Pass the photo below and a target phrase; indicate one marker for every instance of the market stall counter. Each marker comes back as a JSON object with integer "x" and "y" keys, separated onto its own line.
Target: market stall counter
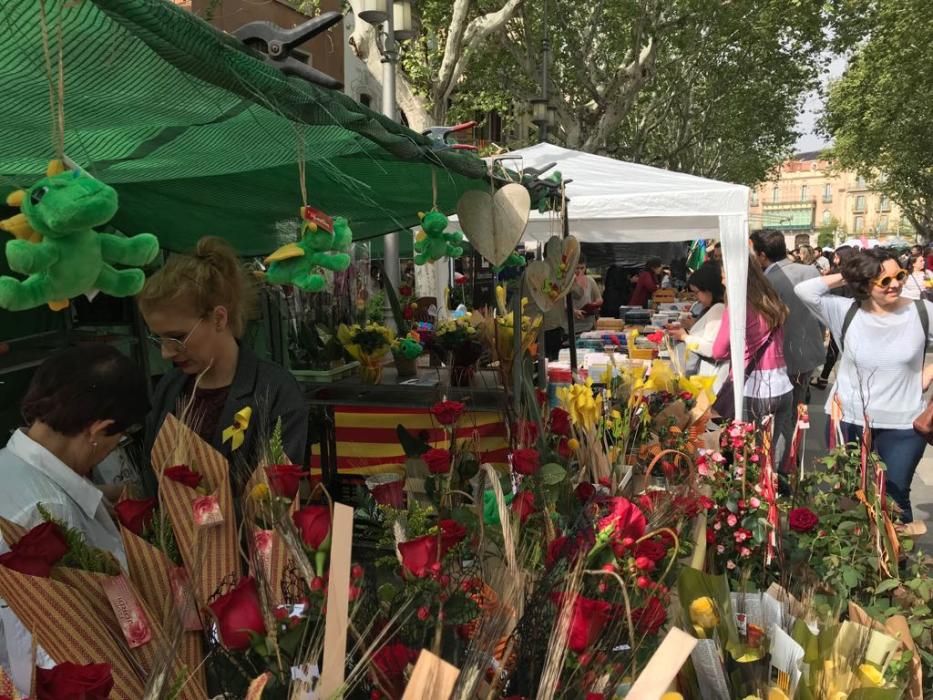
{"x": 358, "y": 434}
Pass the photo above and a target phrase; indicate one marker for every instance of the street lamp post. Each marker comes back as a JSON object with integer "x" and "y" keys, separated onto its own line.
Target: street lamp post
{"x": 394, "y": 16}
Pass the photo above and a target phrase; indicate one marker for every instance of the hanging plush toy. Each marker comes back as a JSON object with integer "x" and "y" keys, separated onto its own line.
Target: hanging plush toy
{"x": 57, "y": 247}
{"x": 432, "y": 243}
{"x": 511, "y": 268}
{"x": 324, "y": 245}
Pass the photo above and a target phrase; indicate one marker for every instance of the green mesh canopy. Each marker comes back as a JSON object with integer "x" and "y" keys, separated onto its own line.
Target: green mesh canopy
{"x": 199, "y": 136}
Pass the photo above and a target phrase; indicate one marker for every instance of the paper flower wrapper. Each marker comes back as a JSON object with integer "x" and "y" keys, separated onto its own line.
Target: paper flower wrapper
{"x": 209, "y": 549}
{"x": 164, "y": 588}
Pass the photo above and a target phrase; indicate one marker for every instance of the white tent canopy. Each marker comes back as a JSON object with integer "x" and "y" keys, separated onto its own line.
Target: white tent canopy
{"x": 611, "y": 201}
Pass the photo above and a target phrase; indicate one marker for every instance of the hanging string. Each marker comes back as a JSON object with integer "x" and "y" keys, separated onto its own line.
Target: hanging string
{"x": 433, "y": 189}
{"x": 302, "y": 175}
{"x": 56, "y": 86}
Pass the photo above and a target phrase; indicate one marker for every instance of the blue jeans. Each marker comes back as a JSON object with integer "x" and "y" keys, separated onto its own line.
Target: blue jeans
{"x": 901, "y": 451}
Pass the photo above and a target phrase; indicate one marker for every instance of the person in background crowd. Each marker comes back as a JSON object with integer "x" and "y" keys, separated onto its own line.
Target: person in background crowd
{"x": 805, "y": 255}
{"x": 699, "y": 336}
{"x": 803, "y": 337}
{"x": 617, "y": 290}
{"x": 839, "y": 257}
{"x": 915, "y": 286}
{"x": 647, "y": 283}
{"x": 587, "y": 299}
{"x": 768, "y": 389}
{"x": 881, "y": 373}
{"x": 78, "y": 406}
{"x": 715, "y": 253}
{"x": 196, "y": 308}
{"x": 667, "y": 281}
{"x": 679, "y": 271}
{"x": 929, "y": 257}
{"x": 822, "y": 263}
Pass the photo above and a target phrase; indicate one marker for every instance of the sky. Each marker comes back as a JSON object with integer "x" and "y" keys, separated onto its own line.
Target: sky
{"x": 810, "y": 140}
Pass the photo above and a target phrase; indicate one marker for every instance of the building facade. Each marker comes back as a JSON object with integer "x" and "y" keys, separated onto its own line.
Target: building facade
{"x": 809, "y": 197}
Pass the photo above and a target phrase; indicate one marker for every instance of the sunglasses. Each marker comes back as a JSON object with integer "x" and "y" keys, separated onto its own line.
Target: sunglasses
{"x": 886, "y": 281}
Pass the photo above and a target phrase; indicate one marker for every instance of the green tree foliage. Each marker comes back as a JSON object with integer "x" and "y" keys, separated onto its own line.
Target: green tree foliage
{"x": 878, "y": 113}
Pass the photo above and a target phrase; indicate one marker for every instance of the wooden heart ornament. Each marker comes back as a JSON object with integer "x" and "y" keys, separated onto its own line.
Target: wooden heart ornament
{"x": 494, "y": 224}
{"x": 549, "y": 280}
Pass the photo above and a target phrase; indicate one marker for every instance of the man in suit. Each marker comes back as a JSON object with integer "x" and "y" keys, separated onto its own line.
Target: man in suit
{"x": 803, "y": 335}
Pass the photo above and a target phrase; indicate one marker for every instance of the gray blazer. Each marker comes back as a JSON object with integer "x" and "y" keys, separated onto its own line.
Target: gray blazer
{"x": 269, "y": 389}
{"x": 803, "y": 335}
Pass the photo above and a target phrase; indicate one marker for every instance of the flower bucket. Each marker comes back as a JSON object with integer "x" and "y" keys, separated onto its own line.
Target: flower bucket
{"x": 406, "y": 367}
{"x": 371, "y": 371}
{"x": 462, "y": 375}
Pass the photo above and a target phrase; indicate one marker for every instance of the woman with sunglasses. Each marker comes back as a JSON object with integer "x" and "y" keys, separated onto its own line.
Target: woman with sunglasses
{"x": 196, "y": 309}
{"x": 879, "y": 377}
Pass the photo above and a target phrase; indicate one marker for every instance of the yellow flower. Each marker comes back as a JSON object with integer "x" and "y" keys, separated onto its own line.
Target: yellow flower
{"x": 260, "y": 492}
{"x": 703, "y": 613}
{"x": 698, "y": 386}
{"x": 573, "y": 444}
{"x": 671, "y": 695}
{"x": 661, "y": 378}
{"x": 579, "y": 402}
{"x": 870, "y": 676}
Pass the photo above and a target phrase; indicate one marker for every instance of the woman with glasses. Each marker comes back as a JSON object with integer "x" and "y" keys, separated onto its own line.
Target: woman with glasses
{"x": 196, "y": 309}
{"x": 879, "y": 377}
{"x": 78, "y": 406}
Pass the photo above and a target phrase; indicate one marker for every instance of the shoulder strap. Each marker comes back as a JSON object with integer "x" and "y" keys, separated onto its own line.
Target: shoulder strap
{"x": 925, "y": 324}
{"x": 850, "y": 314}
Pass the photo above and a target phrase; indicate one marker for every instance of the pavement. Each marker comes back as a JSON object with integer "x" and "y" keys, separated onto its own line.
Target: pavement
{"x": 921, "y": 495}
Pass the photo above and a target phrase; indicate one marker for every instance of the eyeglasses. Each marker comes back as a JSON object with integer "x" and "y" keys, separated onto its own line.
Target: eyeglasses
{"x": 174, "y": 345}
{"x": 885, "y": 282}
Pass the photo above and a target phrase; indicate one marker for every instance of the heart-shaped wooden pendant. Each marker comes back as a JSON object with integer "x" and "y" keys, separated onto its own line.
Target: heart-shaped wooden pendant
{"x": 494, "y": 224}
{"x": 549, "y": 280}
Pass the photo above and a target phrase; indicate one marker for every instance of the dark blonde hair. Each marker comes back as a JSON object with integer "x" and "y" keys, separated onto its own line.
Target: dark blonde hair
{"x": 211, "y": 277}
{"x": 762, "y": 297}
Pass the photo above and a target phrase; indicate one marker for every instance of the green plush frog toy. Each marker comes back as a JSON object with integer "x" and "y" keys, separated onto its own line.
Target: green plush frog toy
{"x": 302, "y": 263}
{"x": 64, "y": 256}
{"x": 432, "y": 243}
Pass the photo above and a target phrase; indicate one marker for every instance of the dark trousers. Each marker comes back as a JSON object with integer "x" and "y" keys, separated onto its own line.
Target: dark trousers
{"x": 784, "y": 414}
{"x": 832, "y": 354}
{"x": 901, "y": 451}
{"x": 553, "y": 341}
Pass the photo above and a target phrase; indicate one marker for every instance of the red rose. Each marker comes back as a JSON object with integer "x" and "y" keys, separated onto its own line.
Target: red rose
{"x": 802, "y": 519}
{"x": 587, "y": 622}
{"x": 452, "y": 534}
{"x": 526, "y": 461}
{"x": 390, "y": 494}
{"x": 447, "y": 412}
{"x": 284, "y": 479}
{"x": 523, "y": 505}
{"x": 238, "y": 613}
{"x": 404, "y": 290}
{"x": 563, "y": 448}
{"x": 136, "y": 515}
{"x": 652, "y": 549}
{"x": 419, "y": 555}
{"x": 526, "y": 432}
{"x": 651, "y": 500}
{"x": 183, "y": 475}
{"x": 68, "y": 681}
{"x": 557, "y": 549}
{"x": 391, "y": 661}
{"x": 649, "y": 618}
{"x": 408, "y": 313}
{"x": 314, "y": 524}
{"x": 625, "y": 519}
{"x": 585, "y": 491}
{"x": 37, "y": 551}
{"x": 438, "y": 461}
{"x": 560, "y": 422}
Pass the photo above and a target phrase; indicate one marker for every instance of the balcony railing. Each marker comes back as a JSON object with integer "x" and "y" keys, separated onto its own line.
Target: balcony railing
{"x": 827, "y": 198}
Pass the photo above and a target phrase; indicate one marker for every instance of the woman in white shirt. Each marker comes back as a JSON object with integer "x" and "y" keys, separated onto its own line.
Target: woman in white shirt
{"x": 706, "y": 283}
{"x": 880, "y": 370}
{"x": 78, "y": 406}
{"x": 916, "y": 283}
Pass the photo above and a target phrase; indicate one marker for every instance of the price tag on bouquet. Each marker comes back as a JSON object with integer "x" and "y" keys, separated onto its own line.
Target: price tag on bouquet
{"x": 206, "y": 511}
{"x": 130, "y": 614}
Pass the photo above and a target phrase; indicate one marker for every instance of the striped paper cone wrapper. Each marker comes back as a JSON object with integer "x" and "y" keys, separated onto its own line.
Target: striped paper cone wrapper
{"x": 269, "y": 546}
{"x": 12, "y": 533}
{"x": 7, "y": 689}
{"x": 210, "y": 553}
{"x": 152, "y": 573}
{"x": 148, "y": 656}
{"x": 67, "y": 626}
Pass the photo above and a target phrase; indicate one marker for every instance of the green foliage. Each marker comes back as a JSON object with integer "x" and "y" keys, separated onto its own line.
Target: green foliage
{"x": 878, "y": 112}
{"x": 160, "y": 534}
{"x": 276, "y": 446}
{"x": 375, "y": 308}
{"x": 80, "y": 554}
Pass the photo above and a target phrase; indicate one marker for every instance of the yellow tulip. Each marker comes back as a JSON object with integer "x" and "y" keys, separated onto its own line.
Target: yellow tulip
{"x": 703, "y": 613}
{"x": 260, "y": 492}
{"x": 870, "y": 676}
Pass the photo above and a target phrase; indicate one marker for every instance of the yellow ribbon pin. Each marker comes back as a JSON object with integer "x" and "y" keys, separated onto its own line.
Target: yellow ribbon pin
{"x": 236, "y": 433}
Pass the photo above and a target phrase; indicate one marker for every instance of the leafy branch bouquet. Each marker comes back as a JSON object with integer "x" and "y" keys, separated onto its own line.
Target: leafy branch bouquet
{"x": 367, "y": 344}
